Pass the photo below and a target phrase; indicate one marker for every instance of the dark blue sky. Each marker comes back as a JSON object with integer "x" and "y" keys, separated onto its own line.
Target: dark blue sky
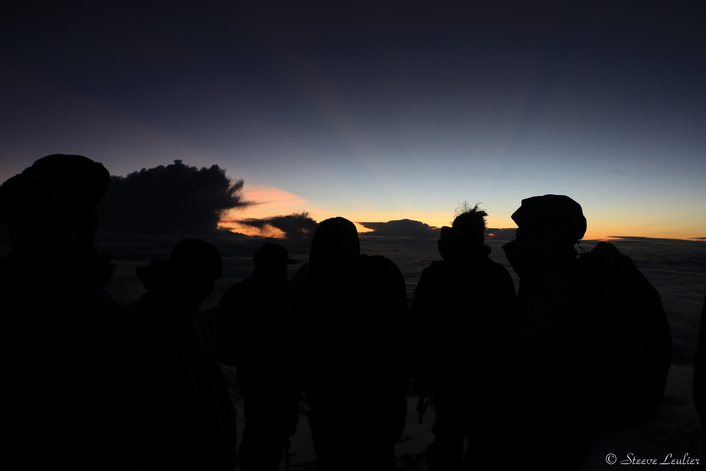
{"x": 377, "y": 113}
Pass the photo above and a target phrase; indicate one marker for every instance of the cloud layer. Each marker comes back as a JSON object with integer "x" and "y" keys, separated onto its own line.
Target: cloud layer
{"x": 170, "y": 200}
{"x": 297, "y": 226}
{"x": 402, "y": 228}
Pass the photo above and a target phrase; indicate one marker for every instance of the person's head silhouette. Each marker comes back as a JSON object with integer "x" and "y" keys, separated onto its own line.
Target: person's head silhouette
{"x": 271, "y": 261}
{"x": 557, "y": 219}
{"x": 58, "y": 196}
{"x": 548, "y": 227}
{"x": 335, "y": 247}
{"x": 464, "y": 239}
{"x": 188, "y": 276}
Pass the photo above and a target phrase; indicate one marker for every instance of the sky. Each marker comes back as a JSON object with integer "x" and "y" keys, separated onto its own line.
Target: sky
{"x": 377, "y": 113}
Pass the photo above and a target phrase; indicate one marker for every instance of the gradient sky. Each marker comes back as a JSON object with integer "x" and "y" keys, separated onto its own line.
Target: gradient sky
{"x": 377, "y": 113}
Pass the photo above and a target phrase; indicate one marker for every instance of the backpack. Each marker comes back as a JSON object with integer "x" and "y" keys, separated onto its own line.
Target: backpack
{"x": 634, "y": 346}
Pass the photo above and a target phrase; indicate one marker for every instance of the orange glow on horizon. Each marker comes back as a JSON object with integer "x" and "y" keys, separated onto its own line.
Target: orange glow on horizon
{"x": 266, "y": 231}
{"x": 600, "y": 233}
{"x": 267, "y": 202}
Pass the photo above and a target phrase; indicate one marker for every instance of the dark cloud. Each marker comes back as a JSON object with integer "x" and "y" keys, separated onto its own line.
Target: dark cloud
{"x": 169, "y": 200}
{"x": 297, "y": 226}
{"x": 401, "y": 228}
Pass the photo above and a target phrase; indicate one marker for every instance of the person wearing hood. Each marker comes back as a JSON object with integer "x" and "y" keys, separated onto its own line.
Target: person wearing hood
{"x": 80, "y": 363}
{"x": 351, "y": 319}
{"x": 253, "y": 335}
{"x": 553, "y": 348}
{"x": 199, "y": 431}
{"x": 462, "y": 308}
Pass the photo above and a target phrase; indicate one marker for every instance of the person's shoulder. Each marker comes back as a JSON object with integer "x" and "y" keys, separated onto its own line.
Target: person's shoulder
{"x": 496, "y": 267}
{"x": 378, "y": 264}
{"x": 238, "y": 293}
{"x": 489, "y": 262}
{"x": 437, "y": 265}
{"x": 372, "y": 259}
{"x": 47, "y": 278}
{"x": 376, "y": 261}
{"x": 435, "y": 269}
{"x": 380, "y": 270}
{"x": 239, "y": 286}
{"x": 151, "y": 303}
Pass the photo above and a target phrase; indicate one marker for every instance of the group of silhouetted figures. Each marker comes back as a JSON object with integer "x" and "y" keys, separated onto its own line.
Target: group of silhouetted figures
{"x": 517, "y": 379}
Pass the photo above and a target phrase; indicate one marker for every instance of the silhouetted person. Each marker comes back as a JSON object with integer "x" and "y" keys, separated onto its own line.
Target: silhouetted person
{"x": 699, "y": 384}
{"x": 253, "y": 334}
{"x": 554, "y": 354}
{"x": 77, "y": 364}
{"x": 462, "y": 306}
{"x": 200, "y": 430}
{"x": 351, "y": 318}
